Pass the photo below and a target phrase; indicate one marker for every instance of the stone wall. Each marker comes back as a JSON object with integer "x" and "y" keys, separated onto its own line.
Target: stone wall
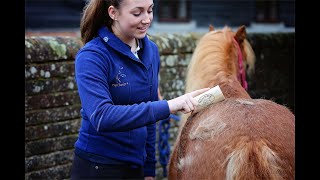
{"x": 52, "y": 105}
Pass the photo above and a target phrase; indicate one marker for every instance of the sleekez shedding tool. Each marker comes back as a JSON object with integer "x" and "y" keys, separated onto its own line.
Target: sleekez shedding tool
{"x": 213, "y": 95}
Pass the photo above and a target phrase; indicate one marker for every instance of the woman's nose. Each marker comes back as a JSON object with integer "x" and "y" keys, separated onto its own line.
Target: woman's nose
{"x": 146, "y": 19}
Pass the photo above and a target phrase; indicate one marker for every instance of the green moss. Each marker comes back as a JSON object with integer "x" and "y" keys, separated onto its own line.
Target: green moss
{"x": 59, "y": 49}
{"x": 28, "y": 44}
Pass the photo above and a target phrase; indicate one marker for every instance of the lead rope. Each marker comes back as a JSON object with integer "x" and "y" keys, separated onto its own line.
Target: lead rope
{"x": 163, "y": 142}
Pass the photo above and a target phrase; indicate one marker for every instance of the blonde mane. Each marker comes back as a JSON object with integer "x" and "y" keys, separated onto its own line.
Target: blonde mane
{"x": 215, "y": 67}
{"x": 215, "y": 61}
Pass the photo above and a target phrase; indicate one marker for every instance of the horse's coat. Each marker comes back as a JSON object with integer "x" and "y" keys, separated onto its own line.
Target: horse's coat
{"x": 238, "y": 138}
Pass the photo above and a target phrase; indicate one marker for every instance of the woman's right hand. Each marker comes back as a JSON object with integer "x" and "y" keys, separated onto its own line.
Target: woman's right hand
{"x": 185, "y": 103}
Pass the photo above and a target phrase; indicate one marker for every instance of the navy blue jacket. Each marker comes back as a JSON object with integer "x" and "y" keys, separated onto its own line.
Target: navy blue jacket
{"x": 119, "y": 99}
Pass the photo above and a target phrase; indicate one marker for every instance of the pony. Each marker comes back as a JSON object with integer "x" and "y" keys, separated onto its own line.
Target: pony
{"x": 240, "y": 137}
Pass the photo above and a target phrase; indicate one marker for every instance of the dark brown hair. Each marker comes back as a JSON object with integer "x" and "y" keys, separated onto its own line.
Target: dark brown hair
{"x": 95, "y": 15}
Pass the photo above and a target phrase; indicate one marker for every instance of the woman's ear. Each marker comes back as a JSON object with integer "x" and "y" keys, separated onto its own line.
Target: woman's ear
{"x": 112, "y": 11}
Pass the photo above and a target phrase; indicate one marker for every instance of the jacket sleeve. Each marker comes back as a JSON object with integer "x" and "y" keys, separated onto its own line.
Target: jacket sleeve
{"x": 96, "y": 101}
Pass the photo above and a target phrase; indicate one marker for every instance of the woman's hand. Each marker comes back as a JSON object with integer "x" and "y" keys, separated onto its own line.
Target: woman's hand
{"x": 185, "y": 103}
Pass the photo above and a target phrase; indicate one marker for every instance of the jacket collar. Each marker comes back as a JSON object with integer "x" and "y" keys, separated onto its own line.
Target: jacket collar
{"x": 115, "y": 43}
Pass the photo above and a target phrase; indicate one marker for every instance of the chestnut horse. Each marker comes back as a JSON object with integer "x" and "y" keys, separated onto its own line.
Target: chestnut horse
{"x": 239, "y": 138}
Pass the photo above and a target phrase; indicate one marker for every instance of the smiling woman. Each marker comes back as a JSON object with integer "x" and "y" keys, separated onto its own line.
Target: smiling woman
{"x": 117, "y": 78}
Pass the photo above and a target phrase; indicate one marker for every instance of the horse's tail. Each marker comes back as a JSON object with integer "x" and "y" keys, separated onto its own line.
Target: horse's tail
{"x": 253, "y": 160}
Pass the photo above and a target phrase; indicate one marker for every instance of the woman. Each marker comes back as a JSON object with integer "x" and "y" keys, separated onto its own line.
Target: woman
{"x": 117, "y": 77}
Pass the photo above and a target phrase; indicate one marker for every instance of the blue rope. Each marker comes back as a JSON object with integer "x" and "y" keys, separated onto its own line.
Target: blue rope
{"x": 163, "y": 142}
{"x": 175, "y": 117}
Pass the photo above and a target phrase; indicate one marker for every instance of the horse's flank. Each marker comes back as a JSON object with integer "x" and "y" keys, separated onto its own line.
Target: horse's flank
{"x": 240, "y": 140}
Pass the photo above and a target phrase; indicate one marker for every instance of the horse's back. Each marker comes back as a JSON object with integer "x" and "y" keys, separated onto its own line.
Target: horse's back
{"x": 237, "y": 139}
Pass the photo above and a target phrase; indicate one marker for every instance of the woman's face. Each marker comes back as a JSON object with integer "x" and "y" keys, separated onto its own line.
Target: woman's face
{"x": 132, "y": 19}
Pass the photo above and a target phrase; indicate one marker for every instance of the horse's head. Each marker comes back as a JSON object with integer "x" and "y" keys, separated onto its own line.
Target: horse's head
{"x": 219, "y": 55}
{"x": 245, "y": 52}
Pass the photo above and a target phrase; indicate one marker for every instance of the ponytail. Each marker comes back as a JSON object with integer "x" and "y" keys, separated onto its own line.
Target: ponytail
{"x": 95, "y": 15}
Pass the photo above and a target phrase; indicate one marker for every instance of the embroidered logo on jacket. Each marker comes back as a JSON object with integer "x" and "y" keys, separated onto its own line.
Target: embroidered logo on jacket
{"x": 119, "y": 79}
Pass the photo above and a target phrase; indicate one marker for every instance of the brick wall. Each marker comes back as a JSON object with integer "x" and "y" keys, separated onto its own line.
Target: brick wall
{"x": 52, "y": 105}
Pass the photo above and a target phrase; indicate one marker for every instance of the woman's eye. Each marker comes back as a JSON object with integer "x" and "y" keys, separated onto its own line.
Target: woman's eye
{"x": 136, "y": 14}
{"x": 150, "y": 11}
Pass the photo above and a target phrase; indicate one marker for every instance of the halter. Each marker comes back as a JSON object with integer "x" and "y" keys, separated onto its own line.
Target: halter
{"x": 242, "y": 75}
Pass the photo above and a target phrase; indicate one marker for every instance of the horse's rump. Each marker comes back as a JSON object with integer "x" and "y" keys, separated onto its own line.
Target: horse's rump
{"x": 237, "y": 139}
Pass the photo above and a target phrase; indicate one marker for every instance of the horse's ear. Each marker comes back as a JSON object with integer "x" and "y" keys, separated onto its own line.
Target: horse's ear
{"x": 211, "y": 28}
{"x": 241, "y": 34}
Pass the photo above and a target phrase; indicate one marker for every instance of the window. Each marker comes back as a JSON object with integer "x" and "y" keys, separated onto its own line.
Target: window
{"x": 267, "y": 11}
{"x": 174, "y": 10}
